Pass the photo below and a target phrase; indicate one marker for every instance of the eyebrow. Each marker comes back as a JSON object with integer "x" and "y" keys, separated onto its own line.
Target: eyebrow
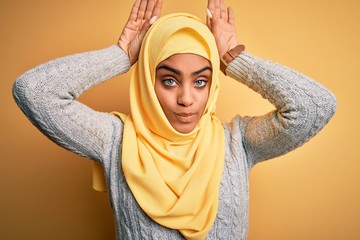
{"x": 168, "y": 68}
{"x": 202, "y": 70}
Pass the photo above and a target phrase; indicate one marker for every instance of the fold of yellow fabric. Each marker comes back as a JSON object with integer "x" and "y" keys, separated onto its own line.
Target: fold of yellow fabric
{"x": 174, "y": 177}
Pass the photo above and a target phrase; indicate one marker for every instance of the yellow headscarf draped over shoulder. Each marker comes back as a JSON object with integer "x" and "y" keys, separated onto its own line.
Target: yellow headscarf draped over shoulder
{"x": 174, "y": 177}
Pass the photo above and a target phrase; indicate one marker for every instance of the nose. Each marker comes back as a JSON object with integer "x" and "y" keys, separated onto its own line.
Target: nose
{"x": 185, "y": 96}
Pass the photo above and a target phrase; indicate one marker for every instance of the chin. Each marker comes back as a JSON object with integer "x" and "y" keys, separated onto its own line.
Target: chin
{"x": 184, "y": 129}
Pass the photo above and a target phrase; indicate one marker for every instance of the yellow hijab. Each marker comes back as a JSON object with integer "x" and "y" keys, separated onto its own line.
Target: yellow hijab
{"x": 174, "y": 177}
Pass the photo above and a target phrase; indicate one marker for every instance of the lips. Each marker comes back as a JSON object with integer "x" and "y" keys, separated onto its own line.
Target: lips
{"x": 185, "y": 117}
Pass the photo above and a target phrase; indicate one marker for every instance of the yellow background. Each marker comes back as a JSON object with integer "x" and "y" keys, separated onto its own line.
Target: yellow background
{"x": 311, "y": 193}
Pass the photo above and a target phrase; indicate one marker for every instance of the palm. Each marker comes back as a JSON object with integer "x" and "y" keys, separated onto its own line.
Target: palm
{"x": 137, "y": 25}
{"x": 222, "y": 25}
{"x": 225, "y": 36}
{"x": 130, "y": 40}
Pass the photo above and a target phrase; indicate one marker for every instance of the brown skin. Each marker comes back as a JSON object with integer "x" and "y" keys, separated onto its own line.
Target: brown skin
{"x": 137, "y": 26}
{"x": 182, "y": 87}
{"x": 221, "y": 24}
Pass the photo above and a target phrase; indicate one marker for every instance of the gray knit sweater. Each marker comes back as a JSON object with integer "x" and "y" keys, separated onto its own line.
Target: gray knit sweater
{"x": 47, "y": 95}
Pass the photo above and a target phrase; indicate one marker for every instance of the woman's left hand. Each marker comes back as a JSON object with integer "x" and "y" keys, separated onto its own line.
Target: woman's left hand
{"x": 222, "y": 24}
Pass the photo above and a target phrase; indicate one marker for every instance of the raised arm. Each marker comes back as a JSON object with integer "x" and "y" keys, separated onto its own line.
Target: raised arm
{"x": 47, "y": 94}
{"x": 303, "y": 106}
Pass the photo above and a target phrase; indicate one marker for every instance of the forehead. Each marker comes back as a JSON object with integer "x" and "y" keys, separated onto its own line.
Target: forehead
{"x": 186, "y": 60}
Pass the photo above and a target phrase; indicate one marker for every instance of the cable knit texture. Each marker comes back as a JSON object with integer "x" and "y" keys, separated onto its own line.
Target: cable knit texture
{"x": 47, "y": 95}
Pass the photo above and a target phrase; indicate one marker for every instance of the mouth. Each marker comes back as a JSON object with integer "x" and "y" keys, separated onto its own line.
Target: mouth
{"x": 185, "y": 117}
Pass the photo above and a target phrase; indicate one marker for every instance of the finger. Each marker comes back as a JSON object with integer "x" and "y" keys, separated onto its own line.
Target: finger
{"x": 217, "y": 8}
{"x": 209, "y": 10}
{"x": 211, "y": 5}
{"x": 134, "y": 11}
{"x": 142, "y": 9}
{"x": 149, "y": 9}
{"x": 152, "y": 20}
{"x": 223, "y": 13}
{"x": 145, "y": 27}
{"x": 231, "y": 17}
{"x": 208, "y": 17}
{"x": 157, "y": 9}
{"x": 208, "y": 13}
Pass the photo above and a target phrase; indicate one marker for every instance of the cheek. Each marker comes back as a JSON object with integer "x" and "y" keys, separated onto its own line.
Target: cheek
{"x": 204, "y": 100}
{"x": 164, "y": 99}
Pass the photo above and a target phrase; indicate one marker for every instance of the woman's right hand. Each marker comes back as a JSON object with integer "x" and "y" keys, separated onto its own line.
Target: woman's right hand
{"x": 143, "y": 14}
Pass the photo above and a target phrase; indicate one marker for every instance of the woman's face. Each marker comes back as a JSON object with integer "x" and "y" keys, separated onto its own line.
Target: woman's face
{"x": 182, "y": 87}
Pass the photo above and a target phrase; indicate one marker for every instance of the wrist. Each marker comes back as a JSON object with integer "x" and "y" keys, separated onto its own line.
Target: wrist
{"x": 229, "y": 56}
{"x": 122, "y": 46}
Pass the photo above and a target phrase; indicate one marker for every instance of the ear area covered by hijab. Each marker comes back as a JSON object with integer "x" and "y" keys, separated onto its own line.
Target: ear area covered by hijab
{"x": 173, "y": 176}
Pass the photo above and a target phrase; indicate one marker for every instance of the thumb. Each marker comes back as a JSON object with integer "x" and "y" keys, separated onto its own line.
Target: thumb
{"x": 208, "y": 18}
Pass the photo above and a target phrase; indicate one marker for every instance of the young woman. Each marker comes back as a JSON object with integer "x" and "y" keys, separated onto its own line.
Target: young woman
{"x": 172, "y": 169}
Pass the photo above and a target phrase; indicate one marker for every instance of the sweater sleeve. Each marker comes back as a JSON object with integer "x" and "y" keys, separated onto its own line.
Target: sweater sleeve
{"x": 47, "y": 96}
{"x": 303, "y": 107}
